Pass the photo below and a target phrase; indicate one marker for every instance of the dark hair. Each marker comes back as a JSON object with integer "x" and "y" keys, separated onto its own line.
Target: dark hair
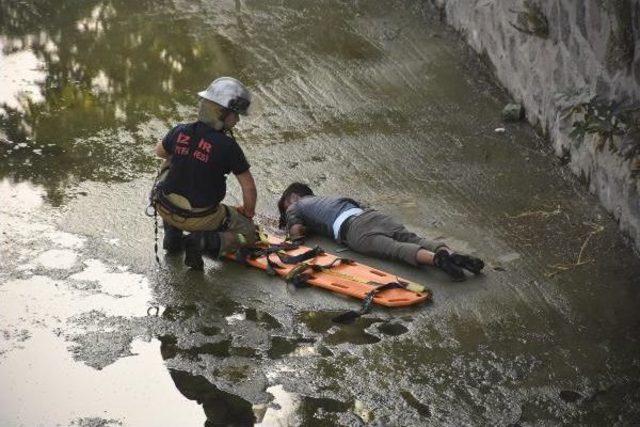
{"x": 296, "y": 188}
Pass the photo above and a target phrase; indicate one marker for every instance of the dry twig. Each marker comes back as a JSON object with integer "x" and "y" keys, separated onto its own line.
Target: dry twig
{"x": 559, "y": 268}
{"x": 541, "y": 213}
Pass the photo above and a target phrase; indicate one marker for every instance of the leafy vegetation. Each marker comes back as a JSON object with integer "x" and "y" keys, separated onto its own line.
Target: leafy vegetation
{"x": 531, "y": 20}
{"x": 106, "y": 68}
{"x": 615, "y": 123}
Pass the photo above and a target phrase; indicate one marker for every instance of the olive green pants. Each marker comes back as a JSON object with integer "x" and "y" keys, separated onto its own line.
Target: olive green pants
{"x": 374, "y": 233}
{"x": 238, "y": 229}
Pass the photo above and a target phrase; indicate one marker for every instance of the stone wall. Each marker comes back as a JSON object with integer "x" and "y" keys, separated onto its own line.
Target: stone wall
{"x": 553, "y": 54}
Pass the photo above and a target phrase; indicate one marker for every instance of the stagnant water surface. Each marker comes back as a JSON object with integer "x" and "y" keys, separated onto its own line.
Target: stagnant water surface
{"x": 373, "y": 100}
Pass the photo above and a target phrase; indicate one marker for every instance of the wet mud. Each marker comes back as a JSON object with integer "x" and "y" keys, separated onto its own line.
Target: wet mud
{"x": 387, "y": 107}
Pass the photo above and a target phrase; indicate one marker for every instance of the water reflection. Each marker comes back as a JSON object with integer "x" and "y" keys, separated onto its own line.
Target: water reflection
{"x": 220, "y": 407}
{"x": 94, "y": 72}
{"x": 24, "y": 79}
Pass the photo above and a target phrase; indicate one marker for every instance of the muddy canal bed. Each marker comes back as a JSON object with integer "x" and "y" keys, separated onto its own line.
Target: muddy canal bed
{"x": 372, "y": 100}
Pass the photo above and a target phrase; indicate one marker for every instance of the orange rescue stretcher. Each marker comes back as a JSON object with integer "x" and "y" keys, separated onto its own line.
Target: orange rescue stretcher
{"x": 302, "y": 265}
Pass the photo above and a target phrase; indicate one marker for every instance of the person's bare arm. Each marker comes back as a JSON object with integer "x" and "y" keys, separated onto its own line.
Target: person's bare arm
{"x": 249, "y": 194}
{"x": 161, "y": 152}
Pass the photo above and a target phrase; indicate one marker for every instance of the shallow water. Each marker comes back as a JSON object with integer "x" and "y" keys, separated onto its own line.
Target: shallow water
{"x": 372, "y": 100}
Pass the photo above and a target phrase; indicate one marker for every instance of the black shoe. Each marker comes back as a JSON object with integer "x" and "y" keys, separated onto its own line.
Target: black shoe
{"x": 193, "y": 252}
{"x": 172, "y": 240}
{"x": 473, "y": 264}
{"x": 212, "y": 244}
{"x": 443, "y": 261}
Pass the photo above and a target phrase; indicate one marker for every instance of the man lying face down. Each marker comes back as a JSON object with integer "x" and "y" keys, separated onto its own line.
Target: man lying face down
{"x": 366, "y": 231}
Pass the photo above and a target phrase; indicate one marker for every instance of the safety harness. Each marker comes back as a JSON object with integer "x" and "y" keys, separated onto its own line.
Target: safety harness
{"x": 151, "y": 211}
{"x": 157, "y": 197}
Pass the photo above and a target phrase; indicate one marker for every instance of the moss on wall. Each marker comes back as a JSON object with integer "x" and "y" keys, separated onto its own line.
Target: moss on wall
{"x": 621, "y": 45}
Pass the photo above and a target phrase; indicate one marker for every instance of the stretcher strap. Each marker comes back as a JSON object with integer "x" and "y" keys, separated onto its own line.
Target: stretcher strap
{"x": 295, "y": 259}
{"x": 351, "y": 315}
{"x": 272, "y": 266}
{"x": 279, "y": 250}
{"x": 318, "y": 267}
{"x": 298, "y": 275}
{"x": 245, "y": 253}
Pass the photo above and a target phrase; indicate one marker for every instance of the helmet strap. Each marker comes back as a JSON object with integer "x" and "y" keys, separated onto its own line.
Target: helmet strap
{"x": 223, "y": 117}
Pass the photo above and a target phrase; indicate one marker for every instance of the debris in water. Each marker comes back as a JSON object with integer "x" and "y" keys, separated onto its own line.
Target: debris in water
{"x": 541, "y": 213}
{"x": 362, "y": 411}
{"x": 259, "y": 410}
{"x": 509, "y": 257}
{"x": 597, "y": 228}
{"x": 512, "y": 113}
{"x": 569, "y": 396}
{"x": 421, "y": 408}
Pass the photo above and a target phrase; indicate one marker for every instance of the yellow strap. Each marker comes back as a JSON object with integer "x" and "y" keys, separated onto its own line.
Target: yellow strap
{"x": 296, "y": 270}
{"x": 262, "y": 236}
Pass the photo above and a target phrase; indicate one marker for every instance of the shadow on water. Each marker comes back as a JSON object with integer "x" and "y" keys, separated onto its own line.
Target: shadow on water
{"x": 283, "y": 346}
{"x": 334, "y": 333}
{"x": 422, "y": 409}
{"x": 211, "y": 342}
{"x": 321, "y": 411}
{"x": 220, "y": 408}
{"x": 105, "y": 68}
{"x": 217, "y": 349}
{"x": 262, "y": 318}
{"x": 392, "y": 329}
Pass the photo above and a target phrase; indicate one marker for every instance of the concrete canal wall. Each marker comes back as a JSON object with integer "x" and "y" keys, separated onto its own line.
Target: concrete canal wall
{"x": 554, "y": 55}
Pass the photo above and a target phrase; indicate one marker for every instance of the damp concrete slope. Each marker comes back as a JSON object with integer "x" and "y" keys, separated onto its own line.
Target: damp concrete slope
{"x": 372, "y": 100}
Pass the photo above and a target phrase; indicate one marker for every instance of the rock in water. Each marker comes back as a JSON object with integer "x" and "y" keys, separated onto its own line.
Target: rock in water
{"x": 513, "y": 112}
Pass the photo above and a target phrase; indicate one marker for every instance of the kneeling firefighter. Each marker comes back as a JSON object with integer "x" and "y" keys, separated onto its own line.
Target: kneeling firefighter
{"x": 192, "y": 182}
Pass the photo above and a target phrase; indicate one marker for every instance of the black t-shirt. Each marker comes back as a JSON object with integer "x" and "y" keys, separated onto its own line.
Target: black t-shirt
{"x": 201, "y": 159}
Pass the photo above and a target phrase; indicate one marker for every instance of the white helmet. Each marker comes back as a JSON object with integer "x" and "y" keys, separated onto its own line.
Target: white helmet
{"x": 228, "y": 93}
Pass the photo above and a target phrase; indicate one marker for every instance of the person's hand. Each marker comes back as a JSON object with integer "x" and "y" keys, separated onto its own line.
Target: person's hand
{"x": 297, "y": 232}
{"x": 242, "y": 211}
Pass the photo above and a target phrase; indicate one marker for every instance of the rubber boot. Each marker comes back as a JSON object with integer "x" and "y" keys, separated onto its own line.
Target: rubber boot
{"x": 473, "y": 264}
{"x": 193, "y": 251}
{"x": 212, "y": 244}
{"x": 443, "y": 261}
{"x": 172, "y": 240}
